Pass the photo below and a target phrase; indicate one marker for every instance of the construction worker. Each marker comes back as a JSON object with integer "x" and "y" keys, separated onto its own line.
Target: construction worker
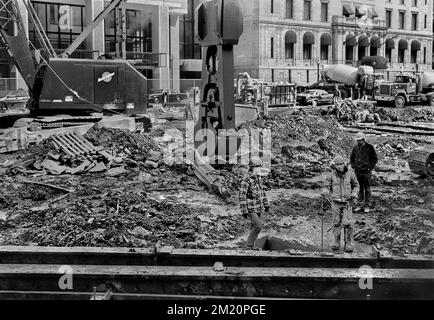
{"x": 341, "y": 190}
{"x": 253, "y": 200}
{"x": 363, "y": 161}
{"x": 337, "y": 95}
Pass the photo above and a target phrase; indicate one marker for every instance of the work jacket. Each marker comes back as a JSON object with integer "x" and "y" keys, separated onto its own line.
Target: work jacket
{"x": 342, "y": 185}
{"x": 252, "y": 197}
{"x": 363, "y": 158}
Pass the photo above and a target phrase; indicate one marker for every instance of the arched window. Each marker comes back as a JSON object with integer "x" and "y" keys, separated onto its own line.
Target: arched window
{"x": 390, "y": 45}
{"x": 290, "y": 41}
{"x": 402, "y": 47}
{"x": 326, "y": 41}
{"x": 375, "y": 45}
{"x": 415, "y": 48}
{"x": 308, "y": 42}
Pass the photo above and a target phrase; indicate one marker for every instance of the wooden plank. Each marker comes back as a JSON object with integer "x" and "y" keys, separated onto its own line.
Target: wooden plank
{"x": 75, "y": 138}
{"x": 73, "y": 144}
{"x": 65, "y": 143}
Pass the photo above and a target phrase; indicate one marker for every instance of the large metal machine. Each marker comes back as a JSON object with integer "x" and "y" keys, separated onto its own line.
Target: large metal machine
{"x": 72, "y": 86}
{"x": 406, "y": 89}
{"x": 262, "y": 94}
{"x": 219, "y": 25}
{"x": 350, "y": 80}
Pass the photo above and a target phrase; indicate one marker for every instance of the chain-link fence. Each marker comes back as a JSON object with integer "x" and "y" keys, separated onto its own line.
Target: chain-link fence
{"x": 10, "y": 85}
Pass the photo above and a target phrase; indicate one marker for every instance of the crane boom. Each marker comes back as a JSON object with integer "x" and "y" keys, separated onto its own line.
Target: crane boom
{"x": 17, "y": 45}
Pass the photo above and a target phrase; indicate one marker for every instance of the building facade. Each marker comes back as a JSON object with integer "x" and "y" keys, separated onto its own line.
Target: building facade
{"x": 290, "y": 40}
{"x": 151, "y": 39}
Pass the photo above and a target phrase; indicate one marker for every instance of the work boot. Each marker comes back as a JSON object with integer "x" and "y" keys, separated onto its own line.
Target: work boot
{"x": 337, "y": 235}
{"x": 348, "y": 235}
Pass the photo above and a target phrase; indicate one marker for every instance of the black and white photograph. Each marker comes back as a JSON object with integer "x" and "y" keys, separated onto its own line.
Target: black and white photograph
{"x": 216, "y": 158}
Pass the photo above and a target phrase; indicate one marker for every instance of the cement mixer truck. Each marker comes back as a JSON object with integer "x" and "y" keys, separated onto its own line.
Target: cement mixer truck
{"x": 352, "y": 82}
{"x": 407, "y": 89}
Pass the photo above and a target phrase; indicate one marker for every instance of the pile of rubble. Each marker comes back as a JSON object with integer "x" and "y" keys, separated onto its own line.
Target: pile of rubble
{"x": 303, "y": 145}
{"x": 364, "y": 111}
{"x": 407, "y": 115}
{"x": 105, "y": 150}
{"x": 360, "y": 111}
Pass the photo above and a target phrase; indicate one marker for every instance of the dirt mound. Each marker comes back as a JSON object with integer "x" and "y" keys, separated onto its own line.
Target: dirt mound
{"x": 135, "y": 143}
{"x": 303, "y": 145}
{"x": 407, "y": 115}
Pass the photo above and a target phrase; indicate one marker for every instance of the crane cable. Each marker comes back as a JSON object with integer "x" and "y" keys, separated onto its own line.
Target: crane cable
{"x": 75, "y": 93}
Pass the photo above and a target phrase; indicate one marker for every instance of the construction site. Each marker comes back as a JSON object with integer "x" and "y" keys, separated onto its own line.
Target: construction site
{"x": 102, "y": 177}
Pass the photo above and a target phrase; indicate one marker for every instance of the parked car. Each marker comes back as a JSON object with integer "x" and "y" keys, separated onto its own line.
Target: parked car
{"x": 14, "y": 98}
{"x": 314, "y": 97}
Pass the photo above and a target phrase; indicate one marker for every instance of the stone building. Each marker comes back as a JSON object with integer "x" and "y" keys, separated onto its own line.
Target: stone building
{"x": 290, "y": 40}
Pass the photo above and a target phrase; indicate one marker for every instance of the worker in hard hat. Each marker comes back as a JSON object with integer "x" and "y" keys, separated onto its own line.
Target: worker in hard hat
{"x": 337, "y": 95}
{"x": 253, "y": 200}
{"x": 363, "y": 161}
{"x": 341, "y": 190}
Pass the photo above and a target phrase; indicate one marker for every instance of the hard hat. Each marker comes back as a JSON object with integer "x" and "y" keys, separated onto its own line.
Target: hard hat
{"x": 255, "y": 162}
{"x": 360, "y": 136}
{"x": 338, "y": 160}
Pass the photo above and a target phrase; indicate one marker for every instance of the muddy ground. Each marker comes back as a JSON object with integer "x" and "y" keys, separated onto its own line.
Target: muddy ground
{"x": 169, "y": 206}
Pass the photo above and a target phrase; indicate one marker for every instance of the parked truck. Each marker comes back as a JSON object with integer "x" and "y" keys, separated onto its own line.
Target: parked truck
{"x": 406, "y": 89}
{"x": 351, "y": 81}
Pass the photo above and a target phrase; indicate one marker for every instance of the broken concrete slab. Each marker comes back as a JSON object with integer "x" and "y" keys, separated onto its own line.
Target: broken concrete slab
{"x": 114, "y": 172}
{"x": 117, "y": 122}
{"x": 53, "y": 167}
{"x": 151, "y": 164}
{"x": 99, "y": 167}
{"x": 139, "y": 232}
{"x": 80, "y": 168}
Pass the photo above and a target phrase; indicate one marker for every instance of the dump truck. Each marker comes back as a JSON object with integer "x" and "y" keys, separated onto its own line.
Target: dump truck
{"x": 351, "y": 81}
{"x": 407, "y": 88}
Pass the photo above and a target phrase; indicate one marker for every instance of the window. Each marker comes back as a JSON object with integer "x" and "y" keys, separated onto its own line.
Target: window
{"x": 401, "y": 19}
{"x": 389, "y": 54}
{"x": 414, "y": 3}
{"x": 188, "y": 44}
{"x": 403, "y": 2}
{"x": 388, "y": 18}
{"x": 414, "y": 21}
{"x": 289, "y": 9}
{"x": 289, "y": 51}
{"x": 272, "y": 48}
{"x": 425, "y": 22}
{"x": 424, "y": 55}
{"x": 307, "y": 8}
{"x": 401, "y": 55}
{"x": 307, "y": 51}
{"x": 324, "y": 11}
{"x": 324, "y": 52}
{"x": 413, "y": 56}
{"x": 272, "y": 6}
{"x": 62, "y": 27}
